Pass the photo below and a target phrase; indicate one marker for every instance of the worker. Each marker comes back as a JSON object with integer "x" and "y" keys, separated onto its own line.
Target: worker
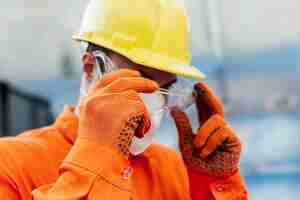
{"x": 130, "y": 48}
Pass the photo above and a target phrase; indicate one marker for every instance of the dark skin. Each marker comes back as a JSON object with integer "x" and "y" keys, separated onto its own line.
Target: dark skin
{"x": 164, "y": 79}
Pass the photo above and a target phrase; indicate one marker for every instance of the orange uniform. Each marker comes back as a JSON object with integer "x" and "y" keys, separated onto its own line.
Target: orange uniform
{"x": 47, "y": 163}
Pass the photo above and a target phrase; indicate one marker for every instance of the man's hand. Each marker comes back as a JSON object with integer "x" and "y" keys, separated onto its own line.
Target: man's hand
{"x": 113, "y": 112}
{"x": 215, "y": 149}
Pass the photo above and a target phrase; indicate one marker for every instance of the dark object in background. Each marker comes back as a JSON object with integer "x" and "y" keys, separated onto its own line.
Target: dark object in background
{"x": 20, "y": 111}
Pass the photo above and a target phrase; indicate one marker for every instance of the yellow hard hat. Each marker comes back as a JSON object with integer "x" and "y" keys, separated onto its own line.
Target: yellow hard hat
{"x": 153, "y": 33}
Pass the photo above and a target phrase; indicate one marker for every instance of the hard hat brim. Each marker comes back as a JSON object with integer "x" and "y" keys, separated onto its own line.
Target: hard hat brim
{"x": 147, "y": 58}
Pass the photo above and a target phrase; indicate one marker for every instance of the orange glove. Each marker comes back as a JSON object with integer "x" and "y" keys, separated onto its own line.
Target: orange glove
{"x": 113, "y": 111}
{"x": 215, "y": 149}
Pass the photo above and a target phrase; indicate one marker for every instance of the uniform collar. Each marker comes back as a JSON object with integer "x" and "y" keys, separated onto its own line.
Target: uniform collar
{"x": 67, "y": 124}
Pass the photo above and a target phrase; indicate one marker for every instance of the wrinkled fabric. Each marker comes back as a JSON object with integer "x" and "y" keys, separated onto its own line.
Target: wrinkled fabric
{"x": 50, "y": 163}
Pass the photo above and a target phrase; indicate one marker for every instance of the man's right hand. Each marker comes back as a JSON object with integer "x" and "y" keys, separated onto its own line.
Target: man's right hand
{"x": 113, "y": 112}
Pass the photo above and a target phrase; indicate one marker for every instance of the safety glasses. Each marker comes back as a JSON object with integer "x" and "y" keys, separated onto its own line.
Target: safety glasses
{"x": 180, "y": 94}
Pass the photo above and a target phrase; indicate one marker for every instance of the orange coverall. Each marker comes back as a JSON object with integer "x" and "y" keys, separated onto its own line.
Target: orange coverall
{"x": 47, "y": 163}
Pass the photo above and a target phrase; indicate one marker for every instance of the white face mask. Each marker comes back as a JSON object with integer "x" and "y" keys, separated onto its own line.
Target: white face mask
{"x": 154, "y": 104}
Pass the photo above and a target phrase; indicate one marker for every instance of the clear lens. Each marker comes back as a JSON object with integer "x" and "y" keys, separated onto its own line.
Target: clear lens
{"x": 159, "y": 103}
{"x": 180, "y": 95}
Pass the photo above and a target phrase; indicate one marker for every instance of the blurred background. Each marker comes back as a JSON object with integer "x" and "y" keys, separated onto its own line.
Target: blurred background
{"x": 250, "y": 51}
